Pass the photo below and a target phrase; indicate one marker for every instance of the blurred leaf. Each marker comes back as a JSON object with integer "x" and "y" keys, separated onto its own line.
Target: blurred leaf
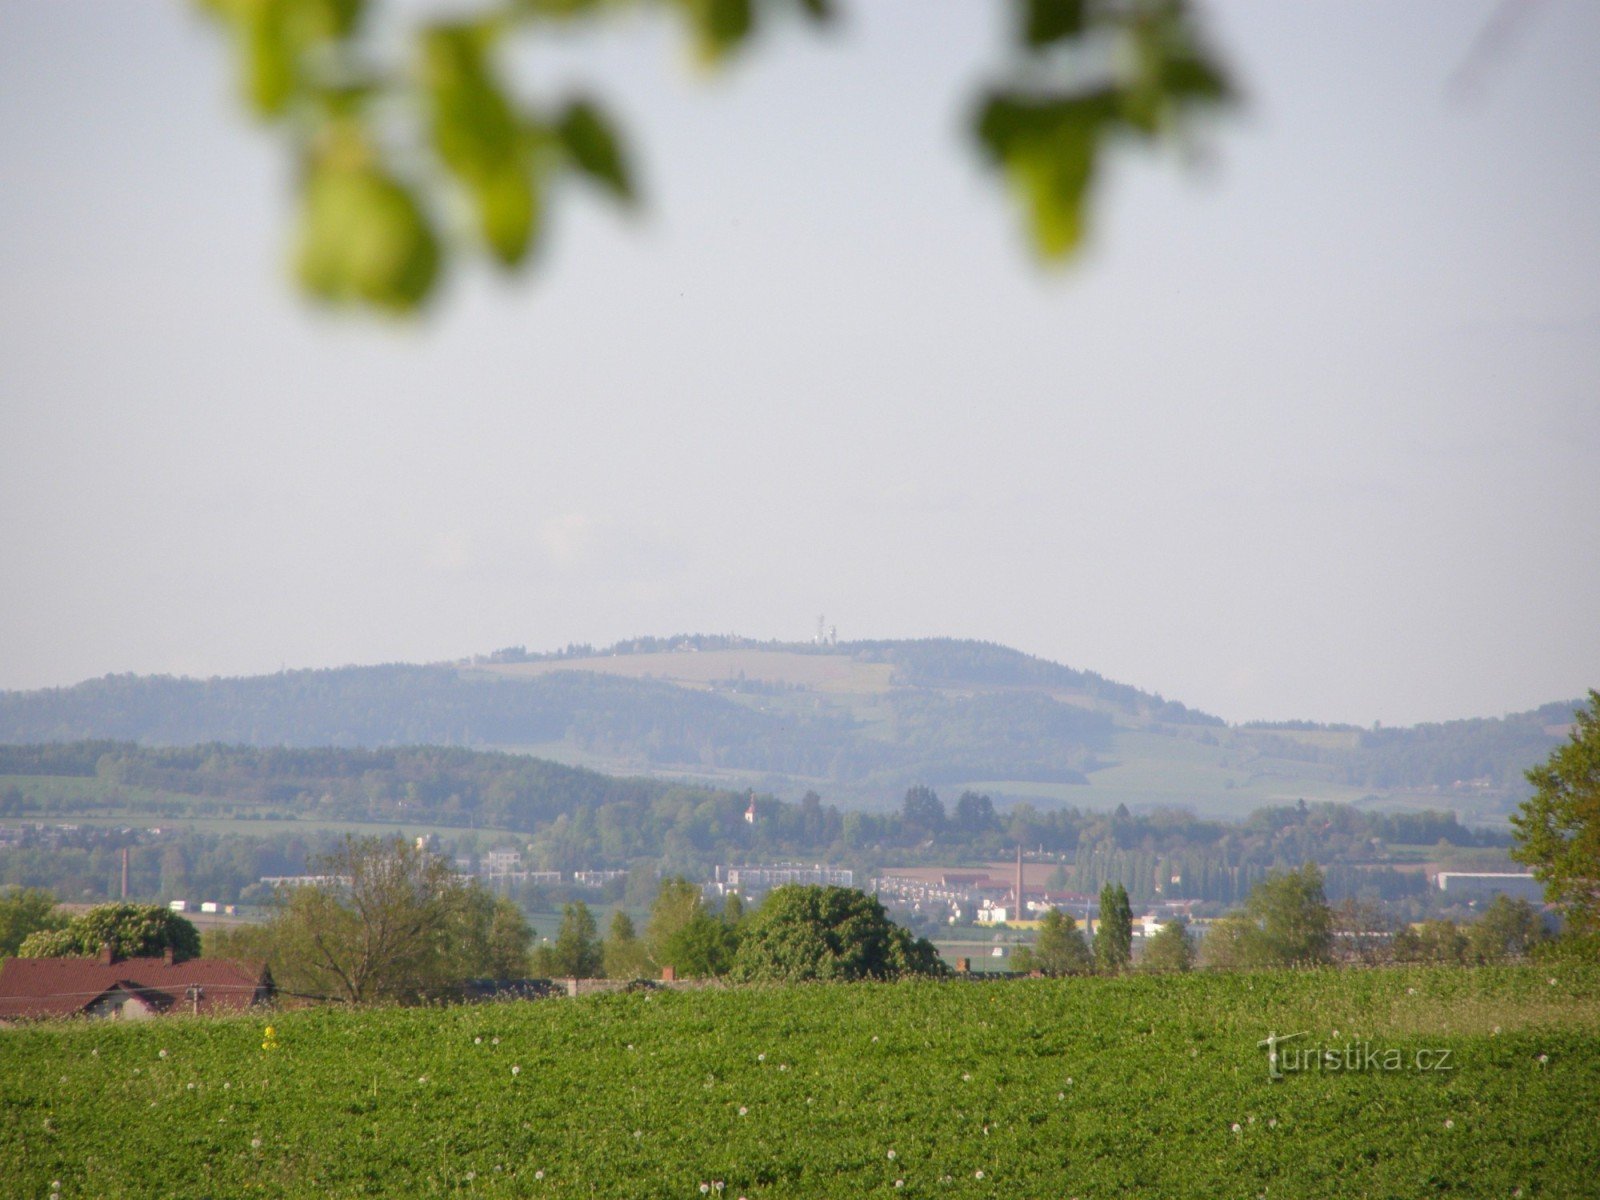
{"x": 508, "y": 208}
{"x": 272, "y": 37}
{"x": 595, "y": 149}
{"x": 1045, "y": 22}
{"x": 478, "y": 137}
{"x": 363, "y": 236}
{"x": 1171, "y": 71}
{"x": 269, "y": 79}
{"x": 1047, "y": 147}
{"x": 718, "y": 25}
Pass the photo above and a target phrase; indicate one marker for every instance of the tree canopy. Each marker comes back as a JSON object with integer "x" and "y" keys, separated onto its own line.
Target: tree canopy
{"x": 1059, "y": 949}
{"x": 392, "y": 921}
{"x": 1558, "y": 827}
{"x": 131, "y": 930}
{"x": 25, "y": 911}
{"x": 1113, "y": 939}
{"x": 388, "y": 134}
{"x": 828, "y": 933}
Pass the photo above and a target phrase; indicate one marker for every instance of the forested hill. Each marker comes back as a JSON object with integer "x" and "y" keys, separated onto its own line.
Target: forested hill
{"x": 859, "y": 721}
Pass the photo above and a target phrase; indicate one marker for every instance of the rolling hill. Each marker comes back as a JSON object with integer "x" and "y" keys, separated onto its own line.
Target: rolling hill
{"x": 855, "y": 721}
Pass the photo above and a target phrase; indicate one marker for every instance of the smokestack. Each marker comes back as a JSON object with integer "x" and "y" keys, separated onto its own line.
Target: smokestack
{"x": 124, "y": 872}
{"x": 1022, "y": 908}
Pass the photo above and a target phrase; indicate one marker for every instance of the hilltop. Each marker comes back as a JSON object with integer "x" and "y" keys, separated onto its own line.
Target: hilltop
{"x": 856, "y": 721}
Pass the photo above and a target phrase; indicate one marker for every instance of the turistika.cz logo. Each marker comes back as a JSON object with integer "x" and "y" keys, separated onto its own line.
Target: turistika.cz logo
{"x": 1284, "y": 1059}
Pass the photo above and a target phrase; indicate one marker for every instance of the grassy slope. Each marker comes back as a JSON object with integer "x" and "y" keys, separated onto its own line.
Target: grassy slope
{"x": 1097, "y": 1087}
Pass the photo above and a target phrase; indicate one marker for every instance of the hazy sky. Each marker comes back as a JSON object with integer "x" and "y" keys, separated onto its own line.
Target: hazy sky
{"x": 1313, "y": 431}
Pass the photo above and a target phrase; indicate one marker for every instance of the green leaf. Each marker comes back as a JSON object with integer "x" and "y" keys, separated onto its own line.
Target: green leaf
{"x": 479, "y": 138}
{"x": 718, "y": 25}
{"x": 594, "y": 148}
{"x": 272, "y": 38}
{"x": 1047, "y": 147}
{"x": 363, "y": 237}
{"x": 508, "y": 213}
{"x": 269, "y": 55}
{"x": 1045, "y": 22}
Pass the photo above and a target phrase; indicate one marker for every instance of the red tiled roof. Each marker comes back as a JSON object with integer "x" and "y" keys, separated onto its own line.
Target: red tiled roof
{"x": 60, "y": 987}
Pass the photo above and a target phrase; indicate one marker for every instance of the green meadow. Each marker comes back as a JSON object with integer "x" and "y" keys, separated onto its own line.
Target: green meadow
{"x": 1473, "y": 1082}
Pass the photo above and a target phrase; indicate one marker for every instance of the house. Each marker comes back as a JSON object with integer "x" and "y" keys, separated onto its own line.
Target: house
{"x": 129, "y": 988}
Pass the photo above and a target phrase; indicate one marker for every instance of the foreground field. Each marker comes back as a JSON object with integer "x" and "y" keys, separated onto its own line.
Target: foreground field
{"x": 1100, "y": 1087}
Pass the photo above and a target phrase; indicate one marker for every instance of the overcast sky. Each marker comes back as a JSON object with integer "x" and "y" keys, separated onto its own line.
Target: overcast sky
{"x": 1312, "y": 431}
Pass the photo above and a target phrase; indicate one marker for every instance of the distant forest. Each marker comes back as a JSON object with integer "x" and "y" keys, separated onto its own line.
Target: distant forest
{"x": 567, "y": 819}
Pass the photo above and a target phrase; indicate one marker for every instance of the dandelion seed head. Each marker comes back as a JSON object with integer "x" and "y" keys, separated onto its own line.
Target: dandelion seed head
{"x": 1552, "y": 981}
{"x": 539, "y": 1174}
{"x": 477, "y": 1041}
{"x": 1543, "y": 1058}
{"x": 161, "y": 1054}
{"x": 891, "y": 1154}
{"x": 255, "y": 1143}
{"x": 762, "y": 1057}
{"x": 977, "y": 1174}
{"x": 743, "y": 1111}
{"x": 1236, "y": 1127}
{"x": 516, "y": 1070}
{"x": 704, "y": 1188}
{"x": 1449, "y": 1124}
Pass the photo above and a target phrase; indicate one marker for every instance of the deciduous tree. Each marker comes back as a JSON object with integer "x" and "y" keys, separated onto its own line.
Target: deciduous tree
{"x": 1113, "y": 939}
{"x": 828, "y": 933}
{"x": 1558, "y": 827}
{"x": 25, "y": 911}
{"x": 1170, "y": 949}
{"x": 391, "y": 922}
{"x": 1059, "y": 949}
{"x": 131, "y": 930}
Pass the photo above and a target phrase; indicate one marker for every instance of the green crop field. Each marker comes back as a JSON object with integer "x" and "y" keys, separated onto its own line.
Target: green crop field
{"x": 1033, "y": 1088}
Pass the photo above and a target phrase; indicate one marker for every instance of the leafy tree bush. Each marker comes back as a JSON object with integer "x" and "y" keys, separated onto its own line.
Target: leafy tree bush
{"x": 25, "y": 911}
{"x": 577, "y": 952}
{"x": 1508, "y": 930}
{"x": 1234, "y": 943}
{"x": 1558, "y": 827}
{"x": 828, "y": 933}
{"x": 1293, "y": 914}
{"x": 685, "y": 935}
{"x": 624, "y": 954}
{"x": 1171, "y": 949}
{"x": 1437, "y": 942}
{"x": 131, "y": 930}
{"x": 393, "y": 923}
{"x": 1113, "y": 940}
{"x": 1059, "y": 949}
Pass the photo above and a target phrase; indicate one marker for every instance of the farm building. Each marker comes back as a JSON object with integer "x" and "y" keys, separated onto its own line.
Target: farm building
{"x": 128, "y": 988}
